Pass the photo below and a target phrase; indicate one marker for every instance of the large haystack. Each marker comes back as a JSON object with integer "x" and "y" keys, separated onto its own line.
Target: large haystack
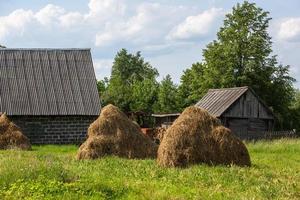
{"x": 11, "y": 136}
{"x": 198, "y": 137}
{"x": 113, "y": 133}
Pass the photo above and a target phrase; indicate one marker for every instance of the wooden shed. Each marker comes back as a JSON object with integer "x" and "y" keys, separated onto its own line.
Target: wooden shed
{"x": 51, "y": 94}
{"x": 239, "y": 109}
{"x": 164, "y": 120}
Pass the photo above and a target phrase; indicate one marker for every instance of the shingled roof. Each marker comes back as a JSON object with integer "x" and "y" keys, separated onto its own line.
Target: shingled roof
{"x": 48, "y": 82}
{"x": 217, "y": 101}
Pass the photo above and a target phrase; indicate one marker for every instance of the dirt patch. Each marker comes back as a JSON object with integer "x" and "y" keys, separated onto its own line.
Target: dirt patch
{"x": 11, "y": 137}
{"x": 113, "y": 133}
{"x": 197, "y": 137}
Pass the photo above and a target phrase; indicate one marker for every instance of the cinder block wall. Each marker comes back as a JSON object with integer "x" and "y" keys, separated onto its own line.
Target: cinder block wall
{"x": 54, "y": 129}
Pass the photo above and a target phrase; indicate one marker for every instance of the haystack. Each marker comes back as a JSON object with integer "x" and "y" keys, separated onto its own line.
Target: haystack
{"x": 11, "y": 136}
{"x": 113, "y": 133}
{"x": 197, "y": 137}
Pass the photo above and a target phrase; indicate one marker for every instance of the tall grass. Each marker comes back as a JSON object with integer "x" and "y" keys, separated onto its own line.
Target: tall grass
{"x": 51, "y": 172}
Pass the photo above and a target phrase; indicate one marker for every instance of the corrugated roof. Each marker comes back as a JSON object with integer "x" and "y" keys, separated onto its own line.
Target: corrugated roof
{"x": 166, "y": 115}
{"x": 48, "y": 82}
{"x": 217, "y": 101}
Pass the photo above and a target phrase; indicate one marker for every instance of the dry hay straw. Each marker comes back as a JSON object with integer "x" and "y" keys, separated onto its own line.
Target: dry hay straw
{"x": 159, "y": 134}
{"x": 113, "y": 133}
{"x": 11, "y": 137}
{"x": 197, "y": 137}
{"x": 155, "y": 134}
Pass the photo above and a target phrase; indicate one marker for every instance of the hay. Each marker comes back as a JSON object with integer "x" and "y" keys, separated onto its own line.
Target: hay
{"x": 113, "y": 133}
{"x": 197, "y": 137}
{"x": 11, "y": 136}
{"x": 155, "y": 134}
{"x": 159, "y": 134}
{"x": 231, "y": 150}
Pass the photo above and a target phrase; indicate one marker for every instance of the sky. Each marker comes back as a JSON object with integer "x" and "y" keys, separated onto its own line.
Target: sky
{"x": 171, "y": 35}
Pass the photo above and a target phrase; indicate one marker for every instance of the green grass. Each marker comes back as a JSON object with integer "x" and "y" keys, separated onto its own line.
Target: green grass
{"x": 51, "y": 172}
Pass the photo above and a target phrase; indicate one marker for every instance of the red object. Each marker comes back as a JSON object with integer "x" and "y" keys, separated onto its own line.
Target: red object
{"x": 148, "y": 131}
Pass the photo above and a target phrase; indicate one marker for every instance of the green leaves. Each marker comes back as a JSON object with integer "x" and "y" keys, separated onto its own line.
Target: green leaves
{"x": 167, "y": 101}
{"x": 144, "y": 94}
{"x": 241, "y": 56}
{"x": 130, "y": 77}
{"x": 191, "y": 88}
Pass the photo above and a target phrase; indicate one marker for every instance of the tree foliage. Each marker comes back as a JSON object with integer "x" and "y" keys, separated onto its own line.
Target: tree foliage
{"x": 294, "y": 113}
{"x": 167, "y": 100}
{"x": 144, "y": 94}
{"x": 190, "y": 89}
{"x": 128, "y": 72}
{"x": 242, "y": 55}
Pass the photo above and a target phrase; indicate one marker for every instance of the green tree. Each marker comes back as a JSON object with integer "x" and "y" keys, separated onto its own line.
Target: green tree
{"x": 241, "y": 55}
{"x": 1, "y": 46}
{"x": 190, "y": 89}
{"x": 102, "y": 86}
{"x": 294, "y": 113}
{"x": 144, "y": 94}
{"x": 167, "y": 101}
{"x": 127, "y": 70}
{"x": 296, "y": 101}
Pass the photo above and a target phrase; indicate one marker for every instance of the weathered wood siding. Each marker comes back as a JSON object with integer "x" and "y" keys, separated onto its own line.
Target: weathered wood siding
{"x": 248, "y": 106}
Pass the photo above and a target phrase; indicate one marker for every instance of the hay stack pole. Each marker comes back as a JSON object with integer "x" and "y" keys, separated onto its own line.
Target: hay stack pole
{"x": 11, "y": 137}
{"x": 197, "y": 137}
{"x": 113, "y": 133}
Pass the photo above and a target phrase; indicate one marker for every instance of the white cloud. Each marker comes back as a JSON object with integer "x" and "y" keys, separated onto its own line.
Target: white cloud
{"x": 71, "y": 19}
{"x": 15, "y": 23}
{"x": 289, "y": 29}
{"x": 102, "y": 67}
{"x": 150, "y": 24}
{"x": 103, "y": 63}
{"x": 101, "y": 10}
{"x": 49, "y": 15}
{"x": 197, "y": 25}
{"x": 107, "y": 23}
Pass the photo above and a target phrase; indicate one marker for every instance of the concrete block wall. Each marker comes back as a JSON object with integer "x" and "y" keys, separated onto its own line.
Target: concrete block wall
{"x": 54, "y": 129}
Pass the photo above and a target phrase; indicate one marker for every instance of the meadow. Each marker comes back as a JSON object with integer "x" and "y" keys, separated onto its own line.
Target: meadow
{"x": 52, "y": 172}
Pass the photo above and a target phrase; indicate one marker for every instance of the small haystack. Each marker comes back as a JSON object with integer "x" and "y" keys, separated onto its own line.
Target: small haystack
{"x": 113, "y": 133}
{"x": 197, "y": 137}
{"x": 11, "y": 136}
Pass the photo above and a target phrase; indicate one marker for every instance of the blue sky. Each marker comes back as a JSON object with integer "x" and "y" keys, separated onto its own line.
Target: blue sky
{"x": 170, "y": 34}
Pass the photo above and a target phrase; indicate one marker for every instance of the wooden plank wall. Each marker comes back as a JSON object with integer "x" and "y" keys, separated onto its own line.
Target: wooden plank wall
{"x": 248, "y": 106}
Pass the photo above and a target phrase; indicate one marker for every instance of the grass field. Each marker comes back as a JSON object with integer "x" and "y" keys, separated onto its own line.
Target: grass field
{"x": 51, "y": 172}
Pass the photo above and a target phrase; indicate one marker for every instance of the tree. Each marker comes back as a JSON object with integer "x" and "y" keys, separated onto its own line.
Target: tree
{"x": 102, "y": 86}
{"x": 144, "y": 94}
{"x": 127, "y": 70}
{"x": 294, "y": 113}
{"x": 241, "y": 55}
{"x": 190, "y": 89}
{"x": 296, "y": 100}
{"x": 167, "y": 101}
{"x": 1, "y": 46}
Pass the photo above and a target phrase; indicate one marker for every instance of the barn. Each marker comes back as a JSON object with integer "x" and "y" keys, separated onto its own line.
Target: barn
{"x": 51, "y": 94}
{"x": 239, "y": 109}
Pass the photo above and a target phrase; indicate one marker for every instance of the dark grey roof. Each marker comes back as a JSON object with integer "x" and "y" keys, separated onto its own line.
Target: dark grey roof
{"x": 217, "y": 101}
{"x": 48, "y": 82}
